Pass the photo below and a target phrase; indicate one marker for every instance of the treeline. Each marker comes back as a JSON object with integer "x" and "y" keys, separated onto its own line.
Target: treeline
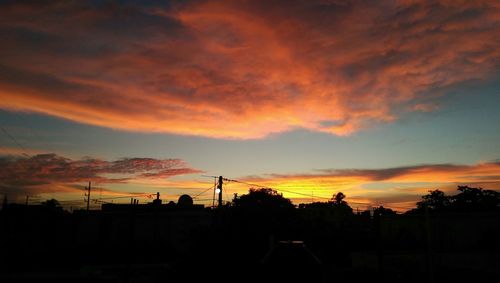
{"x": 468, "y": 199}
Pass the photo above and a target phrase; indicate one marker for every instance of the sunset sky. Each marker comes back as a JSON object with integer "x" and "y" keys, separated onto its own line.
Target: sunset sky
{"x": 382, "y": 100}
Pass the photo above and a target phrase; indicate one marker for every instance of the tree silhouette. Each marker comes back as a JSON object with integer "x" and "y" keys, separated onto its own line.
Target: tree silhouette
{"x": 337, "y": 205}
{"x": 257, "y": 217}
{"x": 475, "y": 199}
{"x": 338, "y": 199}
{"x": 382, "y": 211}
{"x": 263, "y": 198}
{"x": 51, "y": 203}
{"x": 436, "y": 200}
{"x": 467, "y": 200}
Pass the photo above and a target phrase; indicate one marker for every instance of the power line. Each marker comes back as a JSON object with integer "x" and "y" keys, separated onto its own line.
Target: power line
{"x": 16, "y": 142}
{"x": 225, "y": 193}
{"x": 26, "y": 124}
{"x": 279, "y": 190}
{"x": 297, "y": 193}
{"x": 110, "y": 198}
{"x": 211, "y": 188}
{"x": 127, "y": 196}
{"x": 203, "y": 199}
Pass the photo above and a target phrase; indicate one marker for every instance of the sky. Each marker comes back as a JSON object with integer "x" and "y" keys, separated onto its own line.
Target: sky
{"x": 380, "y": 100}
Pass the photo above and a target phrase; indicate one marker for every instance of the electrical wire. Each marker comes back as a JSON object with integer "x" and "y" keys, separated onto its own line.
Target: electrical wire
{"x": 211, "y": 188}
{"x": 15, "y": 141}
{"x": 279, "y": 190}
{"x": 308, "y": 195}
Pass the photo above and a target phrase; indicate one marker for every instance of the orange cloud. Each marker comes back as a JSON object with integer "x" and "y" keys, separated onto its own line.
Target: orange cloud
{"x": 399, "y": 187}
{"x": 50, "y": 173}
{"x": 241, "y": 69}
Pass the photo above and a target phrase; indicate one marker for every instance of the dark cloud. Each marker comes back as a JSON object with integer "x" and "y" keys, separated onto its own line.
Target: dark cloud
{"x": 40, "y": 172}
{"x": 482, "y": 171}
{"x": 398, "y": 187}
{"x": 390, "y": 173}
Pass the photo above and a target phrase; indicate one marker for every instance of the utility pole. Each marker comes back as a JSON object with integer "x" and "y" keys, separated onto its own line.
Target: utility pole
{"x": 219, "y": 190}
{"x": 27, "y": 199}
{"x": 88, "y": 197}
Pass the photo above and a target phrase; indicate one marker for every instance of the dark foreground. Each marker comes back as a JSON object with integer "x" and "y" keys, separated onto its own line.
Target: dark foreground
{"x": 159, "y": 243}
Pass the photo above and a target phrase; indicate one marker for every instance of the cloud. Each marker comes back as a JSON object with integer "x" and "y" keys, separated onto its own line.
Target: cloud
{"x": 425, "y": 107}
{"x": 429, "y": 172}
{"x": 44, "y": 173}
{"x": 398, "y": 187}
{"x": 17, "y": 151}
{"x": 241, "y": 69}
